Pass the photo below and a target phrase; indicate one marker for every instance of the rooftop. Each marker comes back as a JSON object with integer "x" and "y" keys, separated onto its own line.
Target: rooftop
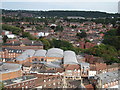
{"x": 109, "y": 76}
{"x": 55, "y": 52}
{"x": 70, "y": 57}
{"x": 18, "y": 80}
{"x": 25, "y": 55}
{"x": 9, "y": 67}
{"x": 24, "y": 42}
{"x": 40, "y": 53}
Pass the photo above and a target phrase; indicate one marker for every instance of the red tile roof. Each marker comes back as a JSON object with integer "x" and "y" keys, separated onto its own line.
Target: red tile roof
{"x": 72, "y": 67}
{"x": 89, "y": 87}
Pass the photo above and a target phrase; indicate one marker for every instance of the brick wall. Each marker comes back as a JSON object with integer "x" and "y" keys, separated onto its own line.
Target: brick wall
{"x": 11, "y": 75}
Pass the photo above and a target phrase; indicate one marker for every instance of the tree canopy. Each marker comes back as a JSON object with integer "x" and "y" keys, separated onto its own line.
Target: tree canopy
{"x": 112, "y": 38}
{"x": 13, "y": 29}
{"x": 82, "y": 34}
{"x": 107, "y": 52}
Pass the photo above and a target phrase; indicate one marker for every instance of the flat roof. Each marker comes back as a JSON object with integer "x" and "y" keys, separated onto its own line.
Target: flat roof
{"x": 9, "y": 67}
{"x": 18, "y": 80}
{"x": 109, "y": 76}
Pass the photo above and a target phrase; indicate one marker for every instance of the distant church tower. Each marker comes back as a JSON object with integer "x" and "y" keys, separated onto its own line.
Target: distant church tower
{"x": 119, "y": 7}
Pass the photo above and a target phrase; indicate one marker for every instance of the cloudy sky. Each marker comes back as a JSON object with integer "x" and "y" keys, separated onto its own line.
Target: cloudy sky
{"x": 110, "y": 6}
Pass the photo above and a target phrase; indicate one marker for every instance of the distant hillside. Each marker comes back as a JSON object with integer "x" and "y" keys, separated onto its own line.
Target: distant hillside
{"x": 87, "y": 14}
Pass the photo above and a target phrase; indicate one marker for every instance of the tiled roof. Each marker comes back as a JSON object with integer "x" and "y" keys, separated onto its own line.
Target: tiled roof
{"x": 89, "y": 87}
{"x": 72, "y": 67}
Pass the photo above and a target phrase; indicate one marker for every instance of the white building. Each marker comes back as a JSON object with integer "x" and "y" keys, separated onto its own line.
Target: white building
{"x": 92, "y": 73}
{"x": 11, "y": 36}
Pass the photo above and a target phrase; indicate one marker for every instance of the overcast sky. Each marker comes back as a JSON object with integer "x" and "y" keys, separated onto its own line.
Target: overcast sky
{"x": 110, "y": 6}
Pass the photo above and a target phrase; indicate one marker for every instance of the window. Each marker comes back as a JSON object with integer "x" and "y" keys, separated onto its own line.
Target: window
{"x": 42, "y": 59}
{"x": 26, "y": 86}
{"x": 22, "y": 83}
{"x": 44, "y": 80}
{"x": 53, "y": 83}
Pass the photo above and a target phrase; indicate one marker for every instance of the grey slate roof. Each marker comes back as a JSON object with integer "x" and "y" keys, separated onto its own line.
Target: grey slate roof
{"x": 17, "y": 80}
{"x": 25, "y": 42}
{"x": 54, "y": 64}
{"x": 55, "y": 52}
{"x": 70, "y": 57}
{"x": 9, "y": 67}
{"x": 108, "y": 77}
{"x": 13, "y": 50}
{"x": 85, "y": 65}
{"x": 40, "y": 53}
{"x": 28, "y": 53}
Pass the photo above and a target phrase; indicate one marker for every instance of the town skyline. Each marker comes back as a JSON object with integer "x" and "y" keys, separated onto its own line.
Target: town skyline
{"x": 109, "y": 7}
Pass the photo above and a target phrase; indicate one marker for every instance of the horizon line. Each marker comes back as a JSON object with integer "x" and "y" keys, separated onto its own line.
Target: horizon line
{"x": 61, "y": 10}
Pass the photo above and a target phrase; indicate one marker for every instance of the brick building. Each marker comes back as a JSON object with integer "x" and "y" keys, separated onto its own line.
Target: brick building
{"x": 23, "y": 44}
{"x": 106, "y": 80}
{"x": 49, "y": 81}
{"x": 9, "y": 54}
{"x": 86, "y": 45}
{"x": 23, "y": 82}
{"x": 10, "y": 71}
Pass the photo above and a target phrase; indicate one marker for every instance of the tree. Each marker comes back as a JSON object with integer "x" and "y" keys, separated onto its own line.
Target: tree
{"x": 82, "y": 35}
{"x": 39, "y": 28}
{"x": 5, "y": 38}
{"x": 118, "y": 31}
{"x": 45, "y": 43}
{"x": 73, "y": 26}
{"x": 28, "y": 35}
{"x": 13, "y": 29}
{"x": 112, "y": 38}
{"x": 1, "y": 86}
{"x": 59, "y": 28}
{"x": 107, "y": 52}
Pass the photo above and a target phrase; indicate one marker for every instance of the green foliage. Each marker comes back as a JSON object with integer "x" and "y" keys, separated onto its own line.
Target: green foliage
{"x": 112, "y": 38}
{"x": 73, "y": 26}
{"x": 106, "y": 21}
{"x": 2, "y": 86}
{"x": 61, "y": 43}
{"x": 5, "y": 39}
{"x": 113, "y": 41}
{"x": 107, "y": 52}
{"x": 118, "y": 31}
{"x": 13, "y": 29}
{"x": 112, "y": 32}
{"x": 17, "y": 31}
{"x": 59, "y": 28}
{"x": 81, "y": 35}
{"x": 46, "y": 43}
{"x": 39, "y": 27}
{"x": 62, "y": 13}
{"x": 65, "y": 45}
{"x": 27, "y": 34}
